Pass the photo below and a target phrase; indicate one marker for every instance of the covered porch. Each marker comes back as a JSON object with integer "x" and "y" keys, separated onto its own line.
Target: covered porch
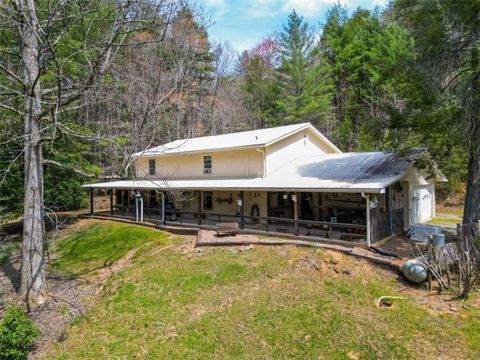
{"x": 360, "y": 218}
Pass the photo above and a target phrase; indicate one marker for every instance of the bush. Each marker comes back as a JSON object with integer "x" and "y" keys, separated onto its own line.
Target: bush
{"x": 17, "y": 334}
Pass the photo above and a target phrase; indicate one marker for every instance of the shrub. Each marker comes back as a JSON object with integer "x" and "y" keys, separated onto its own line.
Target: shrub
{"x": 17, "y": 334}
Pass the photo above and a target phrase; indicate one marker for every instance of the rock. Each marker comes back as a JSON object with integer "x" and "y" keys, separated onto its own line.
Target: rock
{"x": 63, "y": 336}
{"x": 171, "y": 335}
{"x": 352, "y": 355}
{"x": 386, "y": 302}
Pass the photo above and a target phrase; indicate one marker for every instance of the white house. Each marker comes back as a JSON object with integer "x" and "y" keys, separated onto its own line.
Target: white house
{"x": 289, "y": 180}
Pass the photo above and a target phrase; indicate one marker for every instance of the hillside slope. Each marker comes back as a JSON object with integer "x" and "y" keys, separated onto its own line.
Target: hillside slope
{"x": 171, "y": 301}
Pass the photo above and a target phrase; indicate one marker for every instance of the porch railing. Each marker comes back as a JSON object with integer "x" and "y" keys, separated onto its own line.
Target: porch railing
{"x": 268, "y": 225}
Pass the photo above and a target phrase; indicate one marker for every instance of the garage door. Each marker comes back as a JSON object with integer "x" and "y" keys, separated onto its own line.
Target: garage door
{"x": 422, "y": 196}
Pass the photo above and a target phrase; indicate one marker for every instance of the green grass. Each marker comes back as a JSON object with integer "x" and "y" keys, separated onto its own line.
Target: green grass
{"x": 93, "y": 245}
{"x": 263, "y": 303}
{"x": 457, "y": 212}
{"x": 444, "y": 220}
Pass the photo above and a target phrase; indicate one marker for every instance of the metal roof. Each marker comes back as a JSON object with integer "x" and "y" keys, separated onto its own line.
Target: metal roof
{"x": 252, "y": 138}
{"x": 346, "y": 172}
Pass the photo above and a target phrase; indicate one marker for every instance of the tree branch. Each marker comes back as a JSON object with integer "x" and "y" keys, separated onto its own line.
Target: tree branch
{"x": 78, "y": 171}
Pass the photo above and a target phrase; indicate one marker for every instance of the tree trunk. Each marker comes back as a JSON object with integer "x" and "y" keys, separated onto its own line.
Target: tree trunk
{"x": 33, "y": 287}
{"x": 472, "y": 197}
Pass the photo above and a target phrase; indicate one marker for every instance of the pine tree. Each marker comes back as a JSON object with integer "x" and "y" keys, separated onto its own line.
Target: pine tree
{"x": 303, "y": 74}
{"x": 260, "y": 85}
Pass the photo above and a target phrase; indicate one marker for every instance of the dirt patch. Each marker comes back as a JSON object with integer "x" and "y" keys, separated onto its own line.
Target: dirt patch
{"x": 67, "y": 299}
{"x": 208, "y": 236}
{"x": 400, "y": 246}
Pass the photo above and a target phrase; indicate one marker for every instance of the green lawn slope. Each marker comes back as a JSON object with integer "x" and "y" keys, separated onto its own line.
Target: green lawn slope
{"x": 267, "y": 302}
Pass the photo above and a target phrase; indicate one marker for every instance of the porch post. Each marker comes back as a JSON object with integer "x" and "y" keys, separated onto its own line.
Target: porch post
{"x": 91, "y": 201}
{"x": 124, "y": 192}
{"x": 111, "y": 202}
{"x": 268, "y": 205}
{"x": 242, "y": 211}
{"x": 388, "y": 206}
{"x": 199, "y": 207}
{"x": 367, "y": 196}
{"x": 136, "y": 207}
{"x": 296, "y": 201}
{"x": 163, "y": 207}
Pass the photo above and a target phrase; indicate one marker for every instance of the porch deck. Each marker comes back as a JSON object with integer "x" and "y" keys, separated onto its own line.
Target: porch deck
{"x": 272, "y": 226}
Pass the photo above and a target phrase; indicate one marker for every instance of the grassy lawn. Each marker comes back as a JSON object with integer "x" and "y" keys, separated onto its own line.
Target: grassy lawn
{"x": 89, "y": 246}
{"x": 269, "y": 302}
{"x": 444, "y": 220}
{"x": 450, "y": 211}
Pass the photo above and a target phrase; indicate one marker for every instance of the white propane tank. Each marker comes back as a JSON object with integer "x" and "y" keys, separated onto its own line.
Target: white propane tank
{"x": 415, "y": 271}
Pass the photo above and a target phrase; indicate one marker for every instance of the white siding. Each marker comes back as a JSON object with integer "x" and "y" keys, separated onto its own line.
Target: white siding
{"x": 416, "y": 180}
{"x": 301, "y": 144}
{"x": 225, "y": 164}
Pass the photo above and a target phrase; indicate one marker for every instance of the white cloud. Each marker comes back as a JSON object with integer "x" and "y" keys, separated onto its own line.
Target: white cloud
{"x": 263, "y": 8}
{"x": 309, "y": 7}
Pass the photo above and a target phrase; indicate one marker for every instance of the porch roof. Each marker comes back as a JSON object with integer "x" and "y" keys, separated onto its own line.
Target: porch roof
{"x": 347, "y": 172}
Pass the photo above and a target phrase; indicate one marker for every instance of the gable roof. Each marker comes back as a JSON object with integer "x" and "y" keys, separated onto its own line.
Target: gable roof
{"x": 243, "y": 139}
{"x": 347, "y": 172}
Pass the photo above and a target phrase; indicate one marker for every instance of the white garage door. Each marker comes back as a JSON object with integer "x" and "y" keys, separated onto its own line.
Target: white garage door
{"x": 422, "y": 202}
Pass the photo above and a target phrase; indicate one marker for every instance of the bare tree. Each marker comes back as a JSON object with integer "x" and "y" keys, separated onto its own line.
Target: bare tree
{"x": 53, "y": 55}
{"x": 224, "y": 56}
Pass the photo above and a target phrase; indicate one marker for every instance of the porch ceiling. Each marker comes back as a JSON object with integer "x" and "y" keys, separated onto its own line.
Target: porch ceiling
{"x": 257, "y": 184}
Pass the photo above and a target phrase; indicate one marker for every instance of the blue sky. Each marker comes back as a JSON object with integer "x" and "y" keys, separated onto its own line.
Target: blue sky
{"x": 244, "y": 23}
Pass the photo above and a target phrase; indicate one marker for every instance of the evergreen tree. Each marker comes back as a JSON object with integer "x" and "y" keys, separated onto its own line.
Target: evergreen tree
{"x": 295, "y": 46}
{"x": 447, "y": 38}
{"x": 364, "y": 53}
{"x": 260, "y": 85}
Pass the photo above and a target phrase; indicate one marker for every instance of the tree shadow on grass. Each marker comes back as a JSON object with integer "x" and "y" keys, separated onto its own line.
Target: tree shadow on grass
{"x": 114, "y": 256}
{"x": 12, "y": 270}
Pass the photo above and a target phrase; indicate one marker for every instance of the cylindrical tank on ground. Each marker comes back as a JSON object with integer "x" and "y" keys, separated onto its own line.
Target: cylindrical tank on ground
{"x": 415, "y": 271}
{"x": 438, "y": 239}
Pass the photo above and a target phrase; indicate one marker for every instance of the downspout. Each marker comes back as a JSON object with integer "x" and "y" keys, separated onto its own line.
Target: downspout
{"x": 163, "y": 207}
{"x": 367, "y": 197}
{"x": 264, "y": 162}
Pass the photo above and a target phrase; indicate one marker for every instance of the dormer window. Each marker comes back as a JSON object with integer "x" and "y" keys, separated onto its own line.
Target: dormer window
{"x": 151, "y": 167}
{"x": 207, "y": 164}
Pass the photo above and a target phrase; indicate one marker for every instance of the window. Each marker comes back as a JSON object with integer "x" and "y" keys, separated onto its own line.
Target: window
{"x": 207, "y": 201}
{"x": 151, "y": 167}
{"x": 207, "y": 164}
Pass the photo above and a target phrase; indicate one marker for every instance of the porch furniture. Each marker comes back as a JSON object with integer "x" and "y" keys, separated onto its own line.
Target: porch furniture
{"x": 227, "y": 228}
